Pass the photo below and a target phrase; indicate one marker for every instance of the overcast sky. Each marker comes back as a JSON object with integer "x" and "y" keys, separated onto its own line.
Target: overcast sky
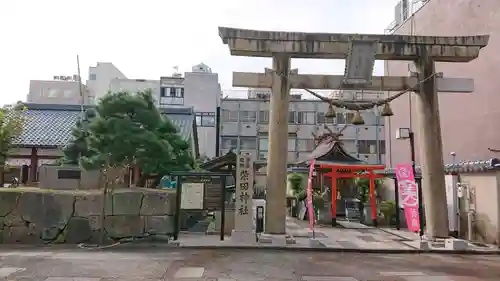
{"x": 147, "y": 38}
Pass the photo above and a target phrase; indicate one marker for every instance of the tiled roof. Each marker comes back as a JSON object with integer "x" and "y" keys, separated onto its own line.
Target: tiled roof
{"x": 462, "y": 167}
{"x": 184, "y": 123}
{"x": 50, "y": 125}
{"x": 47, "y": 127}
{"x": 330, "y": 151}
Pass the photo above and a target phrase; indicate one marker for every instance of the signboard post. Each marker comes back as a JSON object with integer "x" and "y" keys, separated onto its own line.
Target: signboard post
{"x": 243, "y": 221}
{"x": 408, "y": 194}
{"x": 200, "y": 191}
{"x": 310, "y": 207}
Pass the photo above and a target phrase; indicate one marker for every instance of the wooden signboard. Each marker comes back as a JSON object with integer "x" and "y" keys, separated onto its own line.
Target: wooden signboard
{"x": 201, "y": 193}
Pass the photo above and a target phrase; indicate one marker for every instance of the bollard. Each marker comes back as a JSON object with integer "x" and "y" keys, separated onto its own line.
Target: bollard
{"x": 259, "y": 220}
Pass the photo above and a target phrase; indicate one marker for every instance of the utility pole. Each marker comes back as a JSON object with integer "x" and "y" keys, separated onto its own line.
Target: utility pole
{"x": 82, "y": 98}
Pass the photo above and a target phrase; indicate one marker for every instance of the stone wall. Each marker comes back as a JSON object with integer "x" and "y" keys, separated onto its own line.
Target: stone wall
{"x": 37, "y": 216}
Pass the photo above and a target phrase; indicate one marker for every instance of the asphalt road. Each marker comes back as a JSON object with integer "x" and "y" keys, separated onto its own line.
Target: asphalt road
{"x": 230, "y": 265}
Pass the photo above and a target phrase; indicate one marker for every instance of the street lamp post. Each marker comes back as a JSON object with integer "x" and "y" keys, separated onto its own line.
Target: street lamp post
{"x": 407, "y": 133}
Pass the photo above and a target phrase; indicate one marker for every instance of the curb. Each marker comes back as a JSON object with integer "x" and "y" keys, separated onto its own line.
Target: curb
{"x": 157, "y": 247}
{"x": 154, "y": 247}
{"x": 345, "y": 250}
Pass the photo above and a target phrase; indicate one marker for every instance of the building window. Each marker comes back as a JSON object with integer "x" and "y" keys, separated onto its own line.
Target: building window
{"x": 381, "y": 146}
{"x": 305, "y": 117}
{"x": 164, "y": 92}
{"x": 305, "y": 145}
{"x": 262, "y": 155}
{"x": 263, "y": 117}
{"x": 205, "y": 119}
{"x": 348, "y": 117}
{"x": 68, "y": 93}
{"x": 248, "y": 116}
{"x": 229, "y": 115}
{"x": 92, "y": 76}
{"x": 264, "y": 144}
{"x": 291, "y": 117}
{"x": 367, "y": 146}
{"x": 323, "y": 120}
{"x": 166, "y": 97}
{"x": 247, "y": 143}
{"x": 340, "y": 117}
{"x": 52, "y": 93}
{"x": 179, "y": 93}
{"x": 229, "y": 142}
{"x": 291, "y": 144}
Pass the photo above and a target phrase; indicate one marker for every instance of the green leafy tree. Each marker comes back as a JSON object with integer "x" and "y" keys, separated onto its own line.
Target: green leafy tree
{"x": 363, "y": 185}
{"x": 11, "y": 126}
{"x": 78, "y": 146}
{"x": 296, "y": 183}
{"x": 129, "y": 129}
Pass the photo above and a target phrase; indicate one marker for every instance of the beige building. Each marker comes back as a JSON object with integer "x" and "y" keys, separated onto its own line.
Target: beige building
{"x": 58, "y": 91}
{"x": 468, "y": 121}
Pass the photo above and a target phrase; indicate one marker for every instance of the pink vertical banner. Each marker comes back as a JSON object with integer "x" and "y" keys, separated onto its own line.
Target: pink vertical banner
{"x": 310, "y": 208}
{"x": 408, "y": 194}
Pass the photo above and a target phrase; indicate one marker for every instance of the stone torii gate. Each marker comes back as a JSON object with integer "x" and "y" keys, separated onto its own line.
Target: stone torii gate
{"x": 360, "y": 52}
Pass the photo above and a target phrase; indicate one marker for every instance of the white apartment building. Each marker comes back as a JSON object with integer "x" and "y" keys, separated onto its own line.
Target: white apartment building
{"x": 244, "y": 125}
{"x": 101, "y": 77}
{"x": 199, "y": 89}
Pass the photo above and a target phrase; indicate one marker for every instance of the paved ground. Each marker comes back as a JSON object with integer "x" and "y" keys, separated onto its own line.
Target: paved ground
{"x": 351, "y": 236}
{"x": 225, "y": 265}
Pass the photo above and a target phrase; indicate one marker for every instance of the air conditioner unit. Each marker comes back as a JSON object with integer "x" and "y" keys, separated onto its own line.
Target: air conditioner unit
{"x": 262, "y": 156}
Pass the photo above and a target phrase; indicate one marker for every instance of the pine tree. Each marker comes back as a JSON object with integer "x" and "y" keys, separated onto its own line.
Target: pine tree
{"x": 78, "y": 146}
{"x": 129, "y": 129}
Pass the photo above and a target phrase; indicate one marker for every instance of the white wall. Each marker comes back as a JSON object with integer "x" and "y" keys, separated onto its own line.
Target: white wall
{"x": 100, "y": 77}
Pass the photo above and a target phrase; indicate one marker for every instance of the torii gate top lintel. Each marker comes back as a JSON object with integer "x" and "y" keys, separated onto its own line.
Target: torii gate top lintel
{"x": 245, "y": 42}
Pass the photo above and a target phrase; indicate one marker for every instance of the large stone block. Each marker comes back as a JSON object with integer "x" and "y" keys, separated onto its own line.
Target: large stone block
{"x": 48, "y": 212}
{"x": 58, "y": 208}
{"x": 124, "y": 226}
{"x": 8, "y": 202}
{"x": 158, "y": 203}
{"x": 87, "y": 205}
{"x": 31, "y": 207}
{"x": 12, "y": 219}
{"x": 127, "y": 203}
{"x": 20, "y": 234}
{"x": 159, "y": 224}
{"x": 78, "y": 230}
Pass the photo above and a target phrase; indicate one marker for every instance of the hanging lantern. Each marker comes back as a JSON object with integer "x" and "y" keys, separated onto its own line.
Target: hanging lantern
{"x": 386, "y": 111}
{"x": 331, "y": 112}
{"x": 357, "y": 119}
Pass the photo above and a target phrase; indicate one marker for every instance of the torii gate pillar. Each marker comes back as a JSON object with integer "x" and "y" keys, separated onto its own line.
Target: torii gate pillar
{"x": 431, "y": 154}
{"x": 278, "y": 150}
